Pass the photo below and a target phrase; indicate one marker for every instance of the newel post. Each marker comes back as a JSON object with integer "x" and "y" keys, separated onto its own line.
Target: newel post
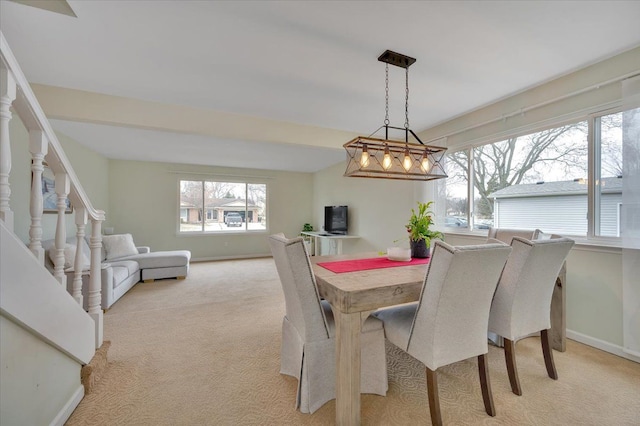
{"x": 7, "y": 95}
{"x": 95, "y": 279}
{"x": 38, "y": 146}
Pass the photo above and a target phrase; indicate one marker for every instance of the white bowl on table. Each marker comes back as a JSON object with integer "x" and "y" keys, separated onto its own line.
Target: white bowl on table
{"x": 399, "y": 254}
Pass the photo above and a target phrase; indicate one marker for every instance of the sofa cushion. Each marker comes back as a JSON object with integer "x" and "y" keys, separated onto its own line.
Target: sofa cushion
{"x": 162, "y": 259}
{"x": 130, "y": 266}
{"x": 122, "y": 271}
{"x": 119, "y": 246}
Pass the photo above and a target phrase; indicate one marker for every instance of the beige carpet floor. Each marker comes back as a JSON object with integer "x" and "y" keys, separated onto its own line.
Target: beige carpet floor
{"x": 205, "y": 351}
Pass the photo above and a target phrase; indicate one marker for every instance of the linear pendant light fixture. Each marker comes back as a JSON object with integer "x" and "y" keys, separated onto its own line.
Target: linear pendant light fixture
{"x": 371, "y": 157}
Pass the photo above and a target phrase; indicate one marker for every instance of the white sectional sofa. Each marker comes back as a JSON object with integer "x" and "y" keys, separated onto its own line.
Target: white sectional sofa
{"x": 120, "y": 273}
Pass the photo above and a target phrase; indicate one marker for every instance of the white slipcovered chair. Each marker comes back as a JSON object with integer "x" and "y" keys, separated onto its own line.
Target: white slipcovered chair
{"x": 506, "y": 234}
{"x": 308, "y": 332}
{"x": 449, "y": 322}
{"x": 522, "y": 303}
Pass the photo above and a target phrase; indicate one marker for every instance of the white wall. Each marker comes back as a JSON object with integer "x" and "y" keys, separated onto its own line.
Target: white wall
{"x": 590, "y": 89}
{"x": 44, "y": 338}
{"x": 594, "y": 293}
{"x": 141, "y": 198}
{"x": 37, "y": 380}
{"x": 378, "y": 208}
{"x": 144, "y": 202}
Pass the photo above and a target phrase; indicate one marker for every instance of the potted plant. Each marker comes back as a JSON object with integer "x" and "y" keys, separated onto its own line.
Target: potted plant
{"x": 420, "y": 234}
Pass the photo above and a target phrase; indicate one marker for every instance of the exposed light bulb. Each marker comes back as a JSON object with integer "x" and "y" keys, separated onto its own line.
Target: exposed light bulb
{"x": 386, "y": 160}
{"x": 425, "y": 164}
{"x": 364, "y": 158}
{"x": 407, "y": 162}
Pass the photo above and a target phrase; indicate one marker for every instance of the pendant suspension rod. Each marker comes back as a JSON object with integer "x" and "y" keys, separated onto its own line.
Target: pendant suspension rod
{"x": 386, "y": 101}
{"x": 406, "y": 106}
{"x": 406, "y": 100}
{"x": 402, "y": 61}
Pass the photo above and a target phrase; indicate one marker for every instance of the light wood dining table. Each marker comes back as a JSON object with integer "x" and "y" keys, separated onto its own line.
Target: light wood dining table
{"x": 354, "y": 295}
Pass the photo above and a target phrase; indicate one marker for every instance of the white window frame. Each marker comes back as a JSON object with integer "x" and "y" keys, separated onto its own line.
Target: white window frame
{"x": 242, "y": 230}
{"x": 592, "y": 159}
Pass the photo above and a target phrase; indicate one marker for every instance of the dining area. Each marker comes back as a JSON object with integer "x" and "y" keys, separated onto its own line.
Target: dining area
{"x": 221, "y": 357}
{"x": 341, "y": 311}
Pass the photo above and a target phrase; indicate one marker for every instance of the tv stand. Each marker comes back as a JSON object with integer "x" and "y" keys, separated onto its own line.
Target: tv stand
{"x": 335, "y": 241}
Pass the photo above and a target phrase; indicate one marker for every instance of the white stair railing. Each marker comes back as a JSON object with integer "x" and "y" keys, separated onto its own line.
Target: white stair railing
{"x": 16, "y": 92}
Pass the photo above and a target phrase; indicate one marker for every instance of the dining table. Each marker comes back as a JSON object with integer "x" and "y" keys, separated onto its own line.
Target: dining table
{"x": 353, "y": 295}
{"x": 355, "y": 285}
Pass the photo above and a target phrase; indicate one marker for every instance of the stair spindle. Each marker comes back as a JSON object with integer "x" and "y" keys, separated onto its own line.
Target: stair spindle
{"x": 7, "y": 95}
{"x": 38, "y": 146}
{"x": 78, "y": 265}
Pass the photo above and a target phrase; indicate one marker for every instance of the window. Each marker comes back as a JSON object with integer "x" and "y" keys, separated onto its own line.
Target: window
{"x": 542, "y": 180}
{"x": 532, "y": 181}
{"x": 211, "y": 207}
{"x": 456, "y": 190}
{"x": 608, "y": 174}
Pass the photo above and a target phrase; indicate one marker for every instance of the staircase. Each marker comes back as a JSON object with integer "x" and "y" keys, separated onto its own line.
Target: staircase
{"x": 46, "y": 337}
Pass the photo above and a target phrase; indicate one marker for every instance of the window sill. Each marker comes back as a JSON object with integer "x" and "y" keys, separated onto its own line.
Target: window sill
{"x": 222, "y": 233}
{"x": 607, "y": 245}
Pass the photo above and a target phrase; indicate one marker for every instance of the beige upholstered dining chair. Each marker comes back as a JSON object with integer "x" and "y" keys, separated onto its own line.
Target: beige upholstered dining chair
{"x": 449, "y": 322}
{"x": 308, "y": 332}
{"x": 522, "y": 303}
{"x": 506, "y": 234}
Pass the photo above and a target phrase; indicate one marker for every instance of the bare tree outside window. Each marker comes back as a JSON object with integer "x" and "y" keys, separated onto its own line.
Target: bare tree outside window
{"x": 550, "y": 155}
{"x": 610, "y": 134}
{"x": 455, "y": 192}
{"x": 257, "y": 195}
{"x": 191, "y": 206}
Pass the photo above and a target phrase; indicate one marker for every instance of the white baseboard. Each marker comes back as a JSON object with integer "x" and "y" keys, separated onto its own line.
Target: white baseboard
{"x": 234, "y": 257}
{"x": 65, "y": 412}
{"x": 602, "y": 345}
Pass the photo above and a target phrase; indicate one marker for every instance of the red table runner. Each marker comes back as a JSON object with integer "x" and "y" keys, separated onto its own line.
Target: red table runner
{"x": 341, "y": 266}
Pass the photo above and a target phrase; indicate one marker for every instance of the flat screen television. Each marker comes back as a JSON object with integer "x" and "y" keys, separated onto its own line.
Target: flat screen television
{"x": 336, "y": 219}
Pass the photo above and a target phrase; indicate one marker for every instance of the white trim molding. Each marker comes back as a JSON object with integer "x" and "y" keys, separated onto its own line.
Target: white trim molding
{"x": 602, "y": 345}
{"x": 66, "y": 411}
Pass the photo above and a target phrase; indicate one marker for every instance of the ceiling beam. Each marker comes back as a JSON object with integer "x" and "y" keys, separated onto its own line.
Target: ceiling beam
{"x": 81, "y": 106}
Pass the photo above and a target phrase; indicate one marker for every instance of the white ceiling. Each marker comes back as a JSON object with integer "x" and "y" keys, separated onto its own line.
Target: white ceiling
{"x": 306, "y": 62}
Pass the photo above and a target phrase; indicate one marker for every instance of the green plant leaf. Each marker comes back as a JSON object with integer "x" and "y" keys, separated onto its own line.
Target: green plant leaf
{"x": 420, "y": 223}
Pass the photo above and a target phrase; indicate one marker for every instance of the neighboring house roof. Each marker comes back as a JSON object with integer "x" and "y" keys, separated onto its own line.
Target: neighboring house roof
{"x": 230, "y": 203}
{"x": 569, "y": 187}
